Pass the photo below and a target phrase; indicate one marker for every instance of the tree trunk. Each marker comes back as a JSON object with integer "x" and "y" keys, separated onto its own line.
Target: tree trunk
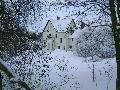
{"x": 93, "y": 69}
{"x": 0, "y": 81}
{"x": 118, "y": 9}
{"x": 93, "y": 72}
{"x": 116, "y": 39}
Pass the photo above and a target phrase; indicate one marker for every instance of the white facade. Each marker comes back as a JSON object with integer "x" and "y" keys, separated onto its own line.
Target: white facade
{"x": 58, "y": 39}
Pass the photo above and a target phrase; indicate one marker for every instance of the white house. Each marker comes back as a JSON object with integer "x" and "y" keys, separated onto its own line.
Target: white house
{"x": 56, "y": 35}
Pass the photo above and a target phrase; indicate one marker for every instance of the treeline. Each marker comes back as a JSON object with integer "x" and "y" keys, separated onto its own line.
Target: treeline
{"x": 14, "y": 38}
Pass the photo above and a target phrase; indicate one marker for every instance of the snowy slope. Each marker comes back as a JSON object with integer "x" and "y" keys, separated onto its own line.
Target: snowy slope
{"x": 62, "y": 70}
{"x": 105, "y": 73}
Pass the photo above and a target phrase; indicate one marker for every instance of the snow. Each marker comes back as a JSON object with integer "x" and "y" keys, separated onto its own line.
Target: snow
{"x": 83, "y": 75}
{"x": 50, "y": 10}
{"x": 45, "y": 10}
{"x": 76, "y": 33}
{"x": 66, "y": 14}
{"x": 61, "y": 25}
{"x": 61, "y": 70}
{"x": 52, "y": 14}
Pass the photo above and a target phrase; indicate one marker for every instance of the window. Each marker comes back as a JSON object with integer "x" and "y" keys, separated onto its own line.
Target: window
{"x": 47, "y": 30}
{"x": 70, "y": 47}
{"x": 60, "y": 40}
{"x": 52, "y": 46}
{"x": 72, "y": 39}
{"x": 64, "y": 47}
{"x": 56, "y": 35}
{"x": 71, "y": 30}
{"x": 49, "y": 34}
{"x": 44, "y": 42}
{"x": 58, "y": 47}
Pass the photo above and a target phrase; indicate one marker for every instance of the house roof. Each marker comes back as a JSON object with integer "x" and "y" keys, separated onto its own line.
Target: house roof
{"x": 59, "y": 25}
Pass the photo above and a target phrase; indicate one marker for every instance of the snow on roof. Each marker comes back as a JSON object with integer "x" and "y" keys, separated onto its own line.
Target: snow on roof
{"x": 61, "y": 25}
{"x": 78, "y": 31}
{"x": 61, "y": 11}
{"x": 51, "y": 10}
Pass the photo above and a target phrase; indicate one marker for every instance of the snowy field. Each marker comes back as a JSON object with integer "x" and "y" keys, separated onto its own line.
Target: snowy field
{"x": 62, "y": 70}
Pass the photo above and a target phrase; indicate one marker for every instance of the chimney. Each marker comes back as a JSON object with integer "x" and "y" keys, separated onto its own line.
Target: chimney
{"x": 82, "y": 24}
{"x": 58, "y": 18}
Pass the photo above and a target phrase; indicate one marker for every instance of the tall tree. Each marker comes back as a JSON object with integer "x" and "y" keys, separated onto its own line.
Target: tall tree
{"x": 12, "y": 36}
{"x": 0, "y": 81}
{"x": 112, "y": 9}
{"x": 116, "y": 33}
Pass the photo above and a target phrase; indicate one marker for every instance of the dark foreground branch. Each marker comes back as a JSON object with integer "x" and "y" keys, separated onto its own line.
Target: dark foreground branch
{"x": 10, "y": 75}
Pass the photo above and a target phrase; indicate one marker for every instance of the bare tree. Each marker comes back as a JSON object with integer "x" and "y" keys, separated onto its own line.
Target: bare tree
{"x": 111, "y": 8}
{"x": 116, "y": 31}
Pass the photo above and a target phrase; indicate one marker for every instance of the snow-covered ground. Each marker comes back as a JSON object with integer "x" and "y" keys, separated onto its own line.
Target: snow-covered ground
{"x": 62, "y": 70}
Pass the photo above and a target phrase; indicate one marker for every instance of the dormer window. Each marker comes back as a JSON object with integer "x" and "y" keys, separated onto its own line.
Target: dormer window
{"x": 71, "y": 30}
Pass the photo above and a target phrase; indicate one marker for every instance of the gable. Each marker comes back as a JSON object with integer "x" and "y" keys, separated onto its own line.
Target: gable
{"x": 71, "y": 24}
{"x": 71, "y": 27}
{"x": 49, "y": 27}
{"x": 62, "y": 25}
